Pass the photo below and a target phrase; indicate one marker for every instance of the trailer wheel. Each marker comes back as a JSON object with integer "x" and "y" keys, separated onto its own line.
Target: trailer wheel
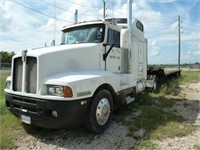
{"x": 100, "y": 112}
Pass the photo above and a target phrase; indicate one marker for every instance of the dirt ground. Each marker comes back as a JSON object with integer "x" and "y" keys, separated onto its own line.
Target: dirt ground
{"x": 4, "y": 73}
{"x": 190, "y": 110}
{"x": 115, "y": 137}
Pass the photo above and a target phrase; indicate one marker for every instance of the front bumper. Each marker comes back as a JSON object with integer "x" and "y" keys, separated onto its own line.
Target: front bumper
{"x": 69, "y": 113}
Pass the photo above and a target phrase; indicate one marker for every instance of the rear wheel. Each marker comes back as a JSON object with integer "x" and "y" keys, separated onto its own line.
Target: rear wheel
{"x": 100, "y": 113}
{"x": 154, "y": 84}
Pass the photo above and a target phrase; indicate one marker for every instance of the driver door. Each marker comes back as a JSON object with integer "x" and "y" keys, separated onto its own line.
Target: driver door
{"x": 113, "y": 61}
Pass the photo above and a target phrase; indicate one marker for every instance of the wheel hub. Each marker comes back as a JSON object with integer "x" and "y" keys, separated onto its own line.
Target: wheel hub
{"x": 103, "y": 111}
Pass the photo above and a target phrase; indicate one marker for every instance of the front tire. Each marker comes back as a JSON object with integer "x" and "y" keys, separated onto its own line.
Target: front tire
{"x": 100, "y": 113}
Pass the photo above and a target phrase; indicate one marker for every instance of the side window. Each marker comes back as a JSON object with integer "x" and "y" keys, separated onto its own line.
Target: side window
{"x": 140, "y": 26}
{"x": 113, "y": 37}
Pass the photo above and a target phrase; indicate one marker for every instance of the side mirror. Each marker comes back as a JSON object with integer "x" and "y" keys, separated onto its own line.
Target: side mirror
{"x": 124, "y": 39}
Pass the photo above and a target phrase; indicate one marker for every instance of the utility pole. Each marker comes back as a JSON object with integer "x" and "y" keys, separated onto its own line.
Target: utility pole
{"x": 179, "y": 41}
{"x": 104, "y": 9}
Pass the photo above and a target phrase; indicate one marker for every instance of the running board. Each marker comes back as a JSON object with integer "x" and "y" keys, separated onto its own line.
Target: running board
{"x": 129, "y": 99}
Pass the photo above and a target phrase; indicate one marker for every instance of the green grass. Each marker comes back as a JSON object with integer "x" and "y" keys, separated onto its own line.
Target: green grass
{"x": 10, "y": 126}
{"x": 168, "y": 86}
{"x": 190, "y": 77}
{"x": 146, "y": 145}
{"x": 197, "y": 146}
{"x": 178, "y": 129}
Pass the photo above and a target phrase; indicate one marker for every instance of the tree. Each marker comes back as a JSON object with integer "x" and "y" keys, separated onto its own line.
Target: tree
{"x": 6, "y": 57}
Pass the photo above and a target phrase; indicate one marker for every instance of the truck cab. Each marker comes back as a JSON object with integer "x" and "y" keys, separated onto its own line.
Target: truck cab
{"x": 81, "y": 81}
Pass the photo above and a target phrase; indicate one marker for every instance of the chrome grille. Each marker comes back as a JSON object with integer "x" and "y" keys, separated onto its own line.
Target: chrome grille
{"x": 17, "y": 74}
{"x": 30, "y": 73}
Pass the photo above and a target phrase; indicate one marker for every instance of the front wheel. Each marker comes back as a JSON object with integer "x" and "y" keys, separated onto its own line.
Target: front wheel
{"x": 100, "y": 113}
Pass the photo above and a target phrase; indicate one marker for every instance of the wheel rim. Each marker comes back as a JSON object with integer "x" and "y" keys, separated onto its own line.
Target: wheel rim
{"x": 103, "y": 111}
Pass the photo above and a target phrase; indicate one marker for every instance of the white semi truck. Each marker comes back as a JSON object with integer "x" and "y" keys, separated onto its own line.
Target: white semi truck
{"x": 99, "y": 66}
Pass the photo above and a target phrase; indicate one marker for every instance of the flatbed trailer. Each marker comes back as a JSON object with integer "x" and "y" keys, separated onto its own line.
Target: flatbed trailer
{"x": 162, "y": 74}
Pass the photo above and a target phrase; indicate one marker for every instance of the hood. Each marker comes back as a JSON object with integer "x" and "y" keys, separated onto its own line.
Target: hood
{"x": 61, "y": 59}
{"x": 59, "y": 48}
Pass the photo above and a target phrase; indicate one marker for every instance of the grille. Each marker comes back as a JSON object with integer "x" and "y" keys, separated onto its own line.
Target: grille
{"x": 31, "y": 75}
{"x": 24, "y": 103}
{"x": 17, "y": 76}
{"x": 30, "y": 72}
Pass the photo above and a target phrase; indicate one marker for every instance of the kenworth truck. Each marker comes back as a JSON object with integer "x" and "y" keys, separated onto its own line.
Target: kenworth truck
{"x": 99, "y": 66}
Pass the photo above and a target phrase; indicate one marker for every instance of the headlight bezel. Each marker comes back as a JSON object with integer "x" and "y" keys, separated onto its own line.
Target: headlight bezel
{"x": 58, "y": 90}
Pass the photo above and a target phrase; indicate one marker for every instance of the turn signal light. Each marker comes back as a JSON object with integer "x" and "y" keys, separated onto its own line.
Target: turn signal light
{"x": 67, "y": 92}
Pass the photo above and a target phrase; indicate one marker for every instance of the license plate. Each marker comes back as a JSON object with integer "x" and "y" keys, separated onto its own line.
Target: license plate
{"x": 26, "y": 119}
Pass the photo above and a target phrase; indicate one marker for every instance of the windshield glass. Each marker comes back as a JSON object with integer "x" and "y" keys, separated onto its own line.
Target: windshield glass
{"x": 84, "y": 34}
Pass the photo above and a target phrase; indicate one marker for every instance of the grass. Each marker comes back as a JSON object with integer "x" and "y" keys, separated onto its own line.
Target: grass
{"x": 10, "y": 126}
{"x": 147, "y": 144}
{"x": 197, "y": 147}
{"x": 190, "y": 77}
{"x": 178, "y": 129}
{"x": 168, "y": 86}
{"x": 154, "y": 116}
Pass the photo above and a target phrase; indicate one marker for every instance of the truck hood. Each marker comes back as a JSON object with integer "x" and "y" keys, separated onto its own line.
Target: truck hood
{"x": 52, "y": 61}
{"x": 59, "y": 48}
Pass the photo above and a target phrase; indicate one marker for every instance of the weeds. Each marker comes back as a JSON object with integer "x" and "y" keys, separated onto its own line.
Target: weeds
{"x": 146, "y": 144}
{"x": 156, "y": 118}
{"x": 172, "y": 129}
{"x": 168, "y": 86}
{"x": 197, "y": 147}
{"x": 10, "y": 126}
{"x": 189, "y": 77}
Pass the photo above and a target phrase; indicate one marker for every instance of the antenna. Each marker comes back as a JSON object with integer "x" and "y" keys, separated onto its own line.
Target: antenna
{"x": 54, "y": 21}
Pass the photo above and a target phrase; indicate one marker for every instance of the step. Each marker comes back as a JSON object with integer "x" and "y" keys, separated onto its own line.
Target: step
{"x": 129, "y": 99}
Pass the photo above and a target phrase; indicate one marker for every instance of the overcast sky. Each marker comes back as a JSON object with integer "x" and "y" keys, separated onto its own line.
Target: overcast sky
{"x": 30, "y": 23}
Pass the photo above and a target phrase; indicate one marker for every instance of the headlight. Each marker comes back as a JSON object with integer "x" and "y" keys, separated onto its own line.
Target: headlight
{"x": 8, "y": 83}
{"x": 62, "y": 91}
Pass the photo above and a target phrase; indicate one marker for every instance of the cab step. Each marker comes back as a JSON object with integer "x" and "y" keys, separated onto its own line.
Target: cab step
{"x": 130, "y": 99}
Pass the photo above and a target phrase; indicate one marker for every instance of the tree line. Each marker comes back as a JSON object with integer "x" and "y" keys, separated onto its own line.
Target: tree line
{"x": 6, "y": 57}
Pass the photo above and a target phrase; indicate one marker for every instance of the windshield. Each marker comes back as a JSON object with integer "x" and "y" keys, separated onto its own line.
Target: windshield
{"x": 84, "y": 34}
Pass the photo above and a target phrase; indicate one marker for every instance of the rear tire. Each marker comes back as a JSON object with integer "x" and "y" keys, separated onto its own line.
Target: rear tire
{"x": 100, "y": 113}
{"x": 154, "y": 84}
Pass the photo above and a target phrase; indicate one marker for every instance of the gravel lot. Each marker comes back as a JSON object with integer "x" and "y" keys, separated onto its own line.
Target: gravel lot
{"x": 115, "y": 137}
{"x": 190, "y": 110}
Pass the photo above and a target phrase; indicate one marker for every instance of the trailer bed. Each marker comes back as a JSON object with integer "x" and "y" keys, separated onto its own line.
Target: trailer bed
{"x": 164, "y": 73}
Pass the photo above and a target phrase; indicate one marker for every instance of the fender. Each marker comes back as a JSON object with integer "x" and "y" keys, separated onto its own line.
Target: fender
{"x": 83, "y": 84}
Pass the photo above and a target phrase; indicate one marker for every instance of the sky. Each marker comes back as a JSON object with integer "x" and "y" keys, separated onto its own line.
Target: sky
{"x": 28, "y": 24}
